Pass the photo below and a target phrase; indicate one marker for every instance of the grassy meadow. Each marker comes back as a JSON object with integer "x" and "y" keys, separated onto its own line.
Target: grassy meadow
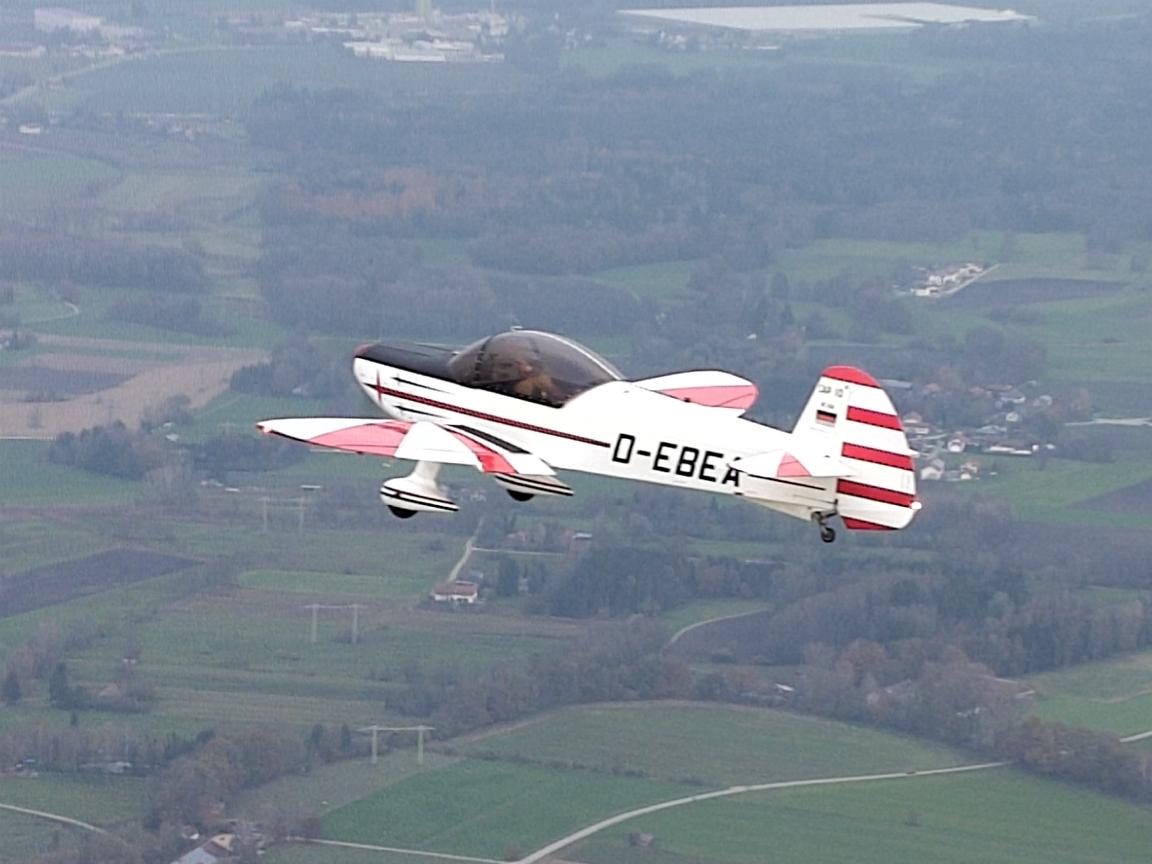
{"x": 993, "y": 817}
{"x": 712, "y": 745}
{"x": 93, "y": 799}
{"x": 1112, "y": 695}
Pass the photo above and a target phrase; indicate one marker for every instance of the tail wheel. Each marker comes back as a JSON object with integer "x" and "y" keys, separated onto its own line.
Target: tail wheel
{"x": 520, "y": 496}
{"x": 400, "y": 512}
{"x": 827, "y": 533}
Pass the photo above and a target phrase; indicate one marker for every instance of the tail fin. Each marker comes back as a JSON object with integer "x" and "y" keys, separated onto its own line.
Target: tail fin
{"x": 853, "y": 417}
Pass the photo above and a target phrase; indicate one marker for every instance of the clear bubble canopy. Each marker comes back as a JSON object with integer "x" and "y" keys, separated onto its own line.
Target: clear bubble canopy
{"x": 533, "y": 365}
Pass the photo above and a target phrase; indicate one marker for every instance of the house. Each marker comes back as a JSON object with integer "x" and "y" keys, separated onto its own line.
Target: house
{"x": 459, "y": 593}
{"x": 934, "y": 470}
{"x": 220, "y": 848}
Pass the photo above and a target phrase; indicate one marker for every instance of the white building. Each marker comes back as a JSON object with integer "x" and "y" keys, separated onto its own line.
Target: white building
{"x": 51, "y": 18}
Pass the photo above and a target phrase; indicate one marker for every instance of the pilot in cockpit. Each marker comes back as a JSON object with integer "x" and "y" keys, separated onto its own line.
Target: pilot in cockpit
{"x": 533, "y": 380}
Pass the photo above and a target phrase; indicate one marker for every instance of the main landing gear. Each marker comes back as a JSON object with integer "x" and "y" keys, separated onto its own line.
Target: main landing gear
{"x": 827, "y": 532}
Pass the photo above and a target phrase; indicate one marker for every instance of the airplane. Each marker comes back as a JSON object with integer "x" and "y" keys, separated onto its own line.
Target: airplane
{"x": 522, "y": 404}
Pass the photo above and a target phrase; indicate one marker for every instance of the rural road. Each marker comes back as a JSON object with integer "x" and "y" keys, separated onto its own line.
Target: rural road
{"x": 551, "y": 848}
{"x": 454, "y": 573}
{"x": 444, "y": 856}
{"x": 688, "y": 628}
{"x": 54, "y": 817}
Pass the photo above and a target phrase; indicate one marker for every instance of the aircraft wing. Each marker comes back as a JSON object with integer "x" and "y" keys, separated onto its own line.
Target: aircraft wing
{"x": 709, "y": 387}
{"x": 421, "y": 441}
{"x": 792, "y": 464}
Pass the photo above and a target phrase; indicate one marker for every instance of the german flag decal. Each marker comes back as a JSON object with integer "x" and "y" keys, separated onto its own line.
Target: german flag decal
{"x": 825, "y": 417}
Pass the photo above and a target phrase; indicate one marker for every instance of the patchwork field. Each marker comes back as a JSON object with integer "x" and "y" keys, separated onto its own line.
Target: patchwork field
{"x": 540, "y": 780}
{"x": 1068, "y": 490}
{"x": 243, "y": 651}
{"x": 165, "y": 370}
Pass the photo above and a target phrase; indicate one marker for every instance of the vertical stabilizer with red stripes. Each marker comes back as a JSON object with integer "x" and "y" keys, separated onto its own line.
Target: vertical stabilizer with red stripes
{"x": 853, "y": 417}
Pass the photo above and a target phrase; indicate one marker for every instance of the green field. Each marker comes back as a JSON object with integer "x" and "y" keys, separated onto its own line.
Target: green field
{"x": 1054, "y": 489}
{"x": 222, "y": 81}
{"x": 27, "y": 836}
{"x": 332, "y": 786}
{"x": 664, "y": 281}
{"x": 713, "y": 745}
{"x": 486, "y": 808}
{"x": 997, "y": 817}
{"x": 30, "y": 480}
{"x": 1112, "y": 695}
{"x": 31, "y": 180}
{"x": 98, "y": 800}
{"x": 696, "y": 611}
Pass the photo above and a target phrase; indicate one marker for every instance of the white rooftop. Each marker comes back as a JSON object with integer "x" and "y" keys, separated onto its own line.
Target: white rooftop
{"x": 864, "y": 17}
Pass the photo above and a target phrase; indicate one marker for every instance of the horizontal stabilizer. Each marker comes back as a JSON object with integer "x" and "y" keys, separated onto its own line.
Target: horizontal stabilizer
{"x": 791, "y": 464}
{"x": 709, "y": 387}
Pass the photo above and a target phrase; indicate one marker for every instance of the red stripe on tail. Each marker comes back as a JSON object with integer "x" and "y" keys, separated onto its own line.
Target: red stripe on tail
{"x": 875, "y": 418}
{"x": 864, "y": 525}
{"x": 878, "y": 457}
{"x": 875, "y": 493}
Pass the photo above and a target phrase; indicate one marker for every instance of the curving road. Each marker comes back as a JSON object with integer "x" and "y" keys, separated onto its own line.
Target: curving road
{"x": 55, "y": 817}
{"x": 344, "y": 844}
{"x": 552, "y": 848}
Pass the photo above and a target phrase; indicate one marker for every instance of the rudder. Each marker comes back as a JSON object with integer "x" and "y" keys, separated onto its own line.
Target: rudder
{"x": 856, "y": 420}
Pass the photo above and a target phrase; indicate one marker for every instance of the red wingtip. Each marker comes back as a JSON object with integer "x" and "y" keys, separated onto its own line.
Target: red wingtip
{"x": 850, "y": 374}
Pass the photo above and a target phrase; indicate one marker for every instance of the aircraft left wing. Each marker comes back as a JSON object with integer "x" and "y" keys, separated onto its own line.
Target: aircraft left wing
{"x": 420, "y": 441}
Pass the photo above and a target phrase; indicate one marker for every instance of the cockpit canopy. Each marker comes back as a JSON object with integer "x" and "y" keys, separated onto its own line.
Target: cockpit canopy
{"x": 531, "y": 365}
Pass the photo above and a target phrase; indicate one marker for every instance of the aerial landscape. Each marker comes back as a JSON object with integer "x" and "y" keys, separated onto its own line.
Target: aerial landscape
{"x": 926, "y": 226}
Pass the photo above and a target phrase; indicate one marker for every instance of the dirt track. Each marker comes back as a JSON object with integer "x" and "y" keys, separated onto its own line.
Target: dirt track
{"x": 158, "y": 371}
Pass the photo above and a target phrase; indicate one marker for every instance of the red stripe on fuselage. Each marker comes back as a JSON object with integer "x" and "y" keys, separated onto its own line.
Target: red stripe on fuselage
{"x": 875, "y": 418}
{"x": 878, "y": 457}
{"x": 875, "y": 493}
{"x": 482, "y": 415}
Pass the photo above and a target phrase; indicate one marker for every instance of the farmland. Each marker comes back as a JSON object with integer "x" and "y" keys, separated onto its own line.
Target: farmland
{"x": 569, "y": 768}
{"x": 771, "y": 224}
{"x": 1112, "y": 695}
{"x": 712, "y": 746}
{"x": 1002, "y": 817}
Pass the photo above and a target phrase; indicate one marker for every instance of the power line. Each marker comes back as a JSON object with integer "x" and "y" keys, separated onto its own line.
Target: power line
{"x": 355, "y": 607}
{"x": 376, "y": 729}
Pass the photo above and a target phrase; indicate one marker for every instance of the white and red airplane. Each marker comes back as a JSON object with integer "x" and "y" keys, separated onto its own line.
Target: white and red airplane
{"x": 522, "y": 404}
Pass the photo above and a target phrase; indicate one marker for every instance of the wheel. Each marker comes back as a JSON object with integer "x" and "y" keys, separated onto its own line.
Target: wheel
{"x": 520, "y": 496}
{"x": 401, "y": 513}
{"x": 827, "y": 533}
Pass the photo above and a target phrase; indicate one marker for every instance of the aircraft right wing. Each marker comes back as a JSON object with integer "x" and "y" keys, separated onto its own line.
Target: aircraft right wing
{"x": 709, "y": 387}
{"x": 420, "y": 441}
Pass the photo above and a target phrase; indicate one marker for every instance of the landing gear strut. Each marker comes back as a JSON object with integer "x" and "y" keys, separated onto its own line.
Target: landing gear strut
{"x": 827, "y": 532}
